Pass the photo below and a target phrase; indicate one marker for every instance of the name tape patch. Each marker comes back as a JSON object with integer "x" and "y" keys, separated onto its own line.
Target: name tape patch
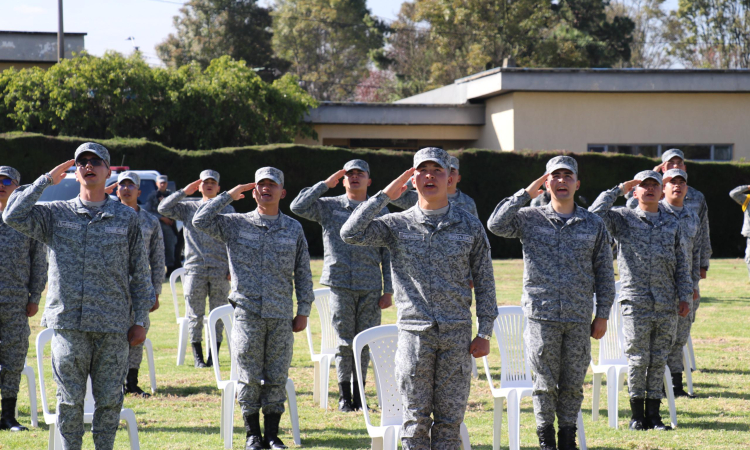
{"x": 250, "y": 236}
{"x": 116, "y": 230}
{"x": 71, "y": 225}
{"x": 461, "y": 237}
{"x": 411, "y": 236}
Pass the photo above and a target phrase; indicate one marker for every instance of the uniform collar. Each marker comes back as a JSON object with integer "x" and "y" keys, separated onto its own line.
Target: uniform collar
{"x": 345, "y": 202}
{"x": 551, "y": 214}
{"x": 664, "y": 203}
{"x": 256, "y": 220}
{"x": 451, "y": 217}
{"x": 107, "y": 210}
{"x": 662, "y": 217}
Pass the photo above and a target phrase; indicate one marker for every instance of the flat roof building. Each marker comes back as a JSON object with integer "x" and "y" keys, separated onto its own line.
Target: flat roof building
{"x": 22, "y": 49}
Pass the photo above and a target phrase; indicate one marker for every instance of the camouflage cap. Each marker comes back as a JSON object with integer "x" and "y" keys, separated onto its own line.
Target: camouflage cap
{"x": 357, "y": 164}
{"x": 208, "y": 173}
{"x": 646, "y": 174}
{"x": 453, "y": 161}
{"x": 562, "y": 162}
{"x": 129, "y": 175}
{"x": 10, "y": 173}
{"x": 162, "y": 179}
{"x": 91, "y": 147}
{"x": 671, "y": 153}
{"x": 434, "y": 154}
{"x": 269, "y": 173}
{"x": 671, "y": 173}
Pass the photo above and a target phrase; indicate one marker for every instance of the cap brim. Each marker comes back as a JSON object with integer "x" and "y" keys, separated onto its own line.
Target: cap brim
{"x": 417, "y": 163}
{"x": 651, "y": 178}
{"x": 562, "y": 166}
{"x": 274, "y": 179}
{"x": 358, "y": 168}
{"x": 128, "y": 178}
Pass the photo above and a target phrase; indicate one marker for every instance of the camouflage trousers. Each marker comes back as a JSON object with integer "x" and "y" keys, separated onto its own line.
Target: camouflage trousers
{"x": 14, "y": 344}
{"x": 135, "y": 355}
{"x": 353, "y": 312}
{"x": 433, "y": 373}
{"x": 197, "y": 287}
{"x": 263, "y": 351}
{"x": 648, "y": 341}
{"x": 684, "y": 324}
{"x": 76, "y": 355}
{"x": 559, "y": 354}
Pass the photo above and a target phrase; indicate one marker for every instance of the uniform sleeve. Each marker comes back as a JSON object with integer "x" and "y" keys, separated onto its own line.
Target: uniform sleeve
{"x": 25, "y": 216}
{"x": 682, "y": 272}
{"x": 208, "y": 220}
{"x": 172, "y": 208}
{"x": 303, "y": 284}
{"x": 385, "y": 267}
{"x": 472, "y": 207}
{"x": 696, "y": 272}
{"x": 364, "y": 227}
{"x": 152, "y": 204}
{"x": 505, "y": 220}
{"x": 156, "y": 258}
{"x": 408, "y": 199}
{"x": 705, "y": 242}
{"x": 604, "y": 275}
{"x": 38, "y": 279}
{"x": 141, "y": 290}
{"x": 740, "y": 195}
{"x": 602, "y": 207}
{"x": 306, "y": 204}
{"x": 480, "y": 261}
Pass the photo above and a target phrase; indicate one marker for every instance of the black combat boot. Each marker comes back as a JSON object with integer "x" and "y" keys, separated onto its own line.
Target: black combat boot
{"x": 566, "y": 438}
{"x": 271, "y": 431}
{"x": 345, "y": 397}
{"x": 210, "y": 360}
{"x": 677, "y": 386}
{"x": 8, "y": 416}
{"x": 252, "y": 428}
{"x": 546, "y": 437}
{"x": 356, "y": 398}
{"x": 198, "y": 355}
{"x": 131, "y": 385}
{"x": 653, "y": 419}
{"x": 637, "y": 406}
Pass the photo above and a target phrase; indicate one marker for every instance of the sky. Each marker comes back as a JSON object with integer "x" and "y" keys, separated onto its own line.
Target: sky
{"x": 122, "y": 25}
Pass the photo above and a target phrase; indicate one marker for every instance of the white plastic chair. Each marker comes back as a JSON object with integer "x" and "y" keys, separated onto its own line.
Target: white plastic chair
{"x": 692, "y": 353}
{"x": 322, "y": 361}
{"x": 229, "y": 386}
{"x": 515, "y": 376}
{"x": 28, "y": 372}
{"x": 149, "y": 348}
{"x": 688, "y": 370}
{"x": 55, "y": 440}
{"x": 383, "y": 341}
{"x": 182, "y": 321}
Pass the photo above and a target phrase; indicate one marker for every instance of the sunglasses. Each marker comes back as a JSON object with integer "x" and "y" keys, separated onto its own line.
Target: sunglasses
{"x": 127, "y": 186}
{"x": 95, "y": 162}
{"x": 6, "y": 182}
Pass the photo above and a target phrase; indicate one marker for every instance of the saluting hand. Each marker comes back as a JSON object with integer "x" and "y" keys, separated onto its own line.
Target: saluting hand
{"x": 398, "y": 186}
{"x": 237, "y": 192}
{"x": 535, "y": 189}
{"x": 58, "y": 173}
{"x": 192, "y": 188}
{"x": 629, "y": 185}
{"x": 334, "y": 179}
{"x": 661, "y": 167}
{"x": 109, "y": 189}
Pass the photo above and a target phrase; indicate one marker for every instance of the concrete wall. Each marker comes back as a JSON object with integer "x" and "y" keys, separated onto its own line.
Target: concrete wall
{"x": 571, "y": 121}
{"x": 499, "y": 131}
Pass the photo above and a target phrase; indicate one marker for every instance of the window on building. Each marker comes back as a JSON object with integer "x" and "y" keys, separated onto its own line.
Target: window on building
{"x": 702, "y": 152}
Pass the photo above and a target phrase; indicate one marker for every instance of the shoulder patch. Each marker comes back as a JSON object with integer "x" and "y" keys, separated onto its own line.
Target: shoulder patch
{"x": 250, "y": 236}
{"x": 411, "y": 236}
{"x": 543, "y": 230}
{"x": 460, "y": 237}
{"x": 116, "y": 230}
{"x": 71, "y": 225}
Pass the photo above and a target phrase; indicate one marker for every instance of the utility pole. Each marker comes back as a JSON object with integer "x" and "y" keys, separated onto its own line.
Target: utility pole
{"x": 60, "y": 33}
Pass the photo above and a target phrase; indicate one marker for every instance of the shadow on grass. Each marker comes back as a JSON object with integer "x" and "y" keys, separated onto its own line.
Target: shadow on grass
{"x": 726, "y": 371}
{"x": 185, "y": 391}
{"x": 716, "y": 426}
{"x": 724, "y": 300}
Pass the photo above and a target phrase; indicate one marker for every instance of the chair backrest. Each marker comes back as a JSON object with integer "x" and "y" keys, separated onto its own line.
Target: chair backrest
{"x": 509, "y": 327}
{"x": 41, "y": 341}
{"x": 611, "y": 345}
{"x": 225, "y": 314}
{"x": 328, "y": 334}
{"x": 177, "y": 273}
{"x": 383, "y": 342}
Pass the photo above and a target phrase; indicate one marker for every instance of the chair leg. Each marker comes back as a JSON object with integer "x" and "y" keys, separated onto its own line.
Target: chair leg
{"x": 148, "y": 346}
{"x": 325, "y": 372}
{"x": 182, "y": 343}
{"x": 612, "y": 389}
{"x": 474, "y": 371}
{"x": 670, "y": 397}
{"x": 129, "y": 417}
{"x": 581, "y": 430}
{"x": 692, "y": 353}
{"x": 291, "y": 396}
{"x": 498, "y": 423}
{"x": 465, "y": 444}
{"x": 316, "y": 381}
{"x": 52, "y": 437}
{"x": 514, "y": 412}
{"x": 688, "y": 373}
{"x": 595, "y": 396}
{"x": 227, "y": 415}
{"x": 377, "y": 443}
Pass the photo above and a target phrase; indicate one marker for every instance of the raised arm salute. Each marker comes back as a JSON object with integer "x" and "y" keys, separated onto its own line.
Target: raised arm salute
{"x": 567, "y": 258}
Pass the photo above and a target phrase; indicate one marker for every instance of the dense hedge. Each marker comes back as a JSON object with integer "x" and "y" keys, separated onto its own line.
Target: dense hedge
{"x": 487, "y": 176}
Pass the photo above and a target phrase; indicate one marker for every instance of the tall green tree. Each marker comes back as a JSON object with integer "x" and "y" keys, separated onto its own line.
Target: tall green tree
{"x": 652, "y": 33}
{"x": 328, "y": 43}
{"x": 208, "y": 29}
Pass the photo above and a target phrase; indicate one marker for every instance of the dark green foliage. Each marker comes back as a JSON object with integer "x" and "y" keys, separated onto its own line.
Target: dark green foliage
{"x": 487, "y": 176}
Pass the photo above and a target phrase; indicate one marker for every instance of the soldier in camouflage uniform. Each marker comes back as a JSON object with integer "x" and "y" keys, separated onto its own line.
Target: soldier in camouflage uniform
{"x": 436, "y": 249}
{"x": 21, "y": 286}
{"x": 675, "y": 189}
{"x": 168, "y": 229}
{"x": 129, "y": 189}
{"x": 567, "y": 258}
{"x": 656, "y": 287}
{"x": 98, "y": 277}
{"x": 352, "y": 272}
{"x": 206, "y": 266}
{"x": 456, "y": 197}
{"x": 268, "y": 258}
{"x": 741, "y": 195}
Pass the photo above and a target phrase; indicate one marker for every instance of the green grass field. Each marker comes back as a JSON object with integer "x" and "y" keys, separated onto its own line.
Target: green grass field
{"x": 184, "y": 413}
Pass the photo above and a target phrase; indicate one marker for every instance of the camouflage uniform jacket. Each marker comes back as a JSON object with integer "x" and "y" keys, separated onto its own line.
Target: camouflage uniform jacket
{"x": 651, "y": 258}
{"x": 267, "y": 259}
{"x": 741, "y": 195}
{"x": 410, "y": 197}
{"x": 153, "y": 200}
{"x": 154, "y": 240}
{"x": 98, "y": 266}
{"x": 690, "y": 226}
{"x": 431, "y": 266}
{"x": 345, "y": 266}
{"x": 26, "y": 276}
{"x": 203, "y": 253}
{"x": 566, "y": 262}
{"x": 697, "y": 202}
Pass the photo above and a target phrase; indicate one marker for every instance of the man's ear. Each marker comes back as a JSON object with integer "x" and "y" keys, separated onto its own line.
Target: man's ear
{"x": 450, "y": 180}
{"x": 283, "y": 193}
{"x": 369, "y": 182}
{"x": 578, "y": 185}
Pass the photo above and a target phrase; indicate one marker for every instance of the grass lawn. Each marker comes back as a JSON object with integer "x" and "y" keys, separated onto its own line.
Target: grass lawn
{"x": 184, "y": 413}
